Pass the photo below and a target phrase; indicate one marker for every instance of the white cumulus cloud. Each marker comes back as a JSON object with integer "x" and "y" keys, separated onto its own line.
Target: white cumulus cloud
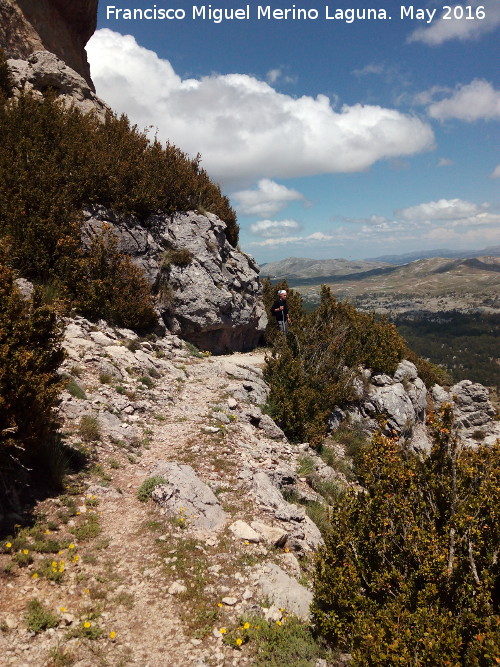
{"x": 442, "y": 30}
{"x": 269, "y": 198}
{"x": 496, "y": 172}
{"x": 243, "y": 127}
{"x": 474, "y": 101}
{"x": 278, "y": 228}
{"x": 444, "y": 209}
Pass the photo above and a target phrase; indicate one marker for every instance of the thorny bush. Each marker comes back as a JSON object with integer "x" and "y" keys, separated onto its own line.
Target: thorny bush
{"x": 409, "y": 574}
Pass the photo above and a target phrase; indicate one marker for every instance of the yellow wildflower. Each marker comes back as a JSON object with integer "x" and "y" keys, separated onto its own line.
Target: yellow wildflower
{"x": 279, "y": 623}
{"x": 86, "y": 591}
{"x": 34, "y": 575}
{"x": 239, "y": 642}
{"x": 63, "y": 609}
{"x": 47, "y": 532}
{"x": 219, "y": 604}
{"x": 8, "y": 545}
{"x": 223, "y": 631}
{"x": 54, "y": 563}
{"x": 25, "y": 552}
{"x": 87, "y": 624}
{"x": 112, "y": 634}
{"x": 246, "y": 626}
{"x": 76, "y": 559}
{"x": 71, "y": 546}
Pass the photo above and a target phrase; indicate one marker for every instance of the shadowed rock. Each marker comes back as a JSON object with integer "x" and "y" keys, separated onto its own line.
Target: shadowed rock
{"x": 58, "y": 26}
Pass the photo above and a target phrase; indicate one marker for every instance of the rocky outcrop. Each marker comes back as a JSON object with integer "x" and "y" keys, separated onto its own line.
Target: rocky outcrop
{"x": 61, "y": 27}
{"x": 473, "y": 410}
{"x": 43, "y": 71}
{"x": 399, "y": 402}
{"x": 210, "y": 295}
{"x": 399, "y": 399}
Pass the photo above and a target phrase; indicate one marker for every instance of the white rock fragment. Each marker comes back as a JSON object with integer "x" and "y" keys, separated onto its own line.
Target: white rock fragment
{"x": 243, "y": 531}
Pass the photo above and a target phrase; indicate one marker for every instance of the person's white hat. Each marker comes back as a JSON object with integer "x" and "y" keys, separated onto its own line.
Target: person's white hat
{"x": 282, "y": 291}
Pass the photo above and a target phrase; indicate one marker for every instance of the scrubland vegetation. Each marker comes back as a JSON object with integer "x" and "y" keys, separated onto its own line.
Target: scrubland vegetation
{"x": 54, "y": 162}
{"x": 409, "y": 574}
{"x": 313, "y": 368}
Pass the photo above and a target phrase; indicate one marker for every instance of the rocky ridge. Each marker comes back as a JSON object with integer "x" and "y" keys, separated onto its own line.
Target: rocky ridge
{"x": 42, "y": 71}
{"x": 402, "y": 401}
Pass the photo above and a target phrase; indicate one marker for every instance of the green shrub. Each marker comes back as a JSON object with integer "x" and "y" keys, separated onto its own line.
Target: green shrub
{"x": 30, "y": 353}
{"x": 56, "y": 161}
{"x": 409, "y": 573}
{"x": 76, "y": 390}
{"x": 89, "y": 428}
{"x": 89, "y": 529}
{"x": 179, "y": 257}
{"x": 288, "y": 642}
{"x": 146, "y": 489}
{"x": 38, "y": 617}
{"x": 313, "y": 368}
{"x": 147, "y": 381}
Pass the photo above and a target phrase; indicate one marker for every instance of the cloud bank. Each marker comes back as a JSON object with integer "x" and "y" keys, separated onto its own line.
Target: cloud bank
{"x": 274, "y": 228}
{"x": 244, "y": 128}
{"x": 457, "y": 221}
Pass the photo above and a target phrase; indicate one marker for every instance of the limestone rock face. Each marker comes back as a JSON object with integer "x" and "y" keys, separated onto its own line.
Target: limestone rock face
{"x": 186, "y": 497}
{"x": 473, "y": 410}
{"x": 58, "y": 26}
{"x": 214, "y": 299}
{"x": 43, "y": 70}
{"x": 401, "y": 399}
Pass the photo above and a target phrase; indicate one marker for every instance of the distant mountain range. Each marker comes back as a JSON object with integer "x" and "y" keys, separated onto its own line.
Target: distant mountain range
{"x": 301, "y": 267}
{"x": 434, "y": 284}
{"x": 297, "y": 268}
{"x": 491, "y": 251}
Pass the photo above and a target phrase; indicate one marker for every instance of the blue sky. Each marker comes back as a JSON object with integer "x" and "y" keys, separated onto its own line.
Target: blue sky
{"x": 332, "y": 137}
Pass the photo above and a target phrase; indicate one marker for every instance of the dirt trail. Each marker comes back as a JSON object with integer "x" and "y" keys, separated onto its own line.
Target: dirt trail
{"x": 120, "y": 573}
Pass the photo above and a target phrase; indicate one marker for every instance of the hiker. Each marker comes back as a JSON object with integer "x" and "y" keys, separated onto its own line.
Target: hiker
{"x": 280, "y": 311}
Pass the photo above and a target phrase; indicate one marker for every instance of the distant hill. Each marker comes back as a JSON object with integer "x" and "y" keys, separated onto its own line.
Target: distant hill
{"x": 491, "y": 251}
{"x": 301, "y": 267}
{"x": 434, "y": 284}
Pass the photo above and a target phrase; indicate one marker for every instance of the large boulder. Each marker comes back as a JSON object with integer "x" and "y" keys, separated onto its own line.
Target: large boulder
{"x": 399, "y": 399}
{"x": 185, "y": 497}
{"x": 58, "y": 26}
{"x": 211, "y": 295}
{"x": 43, "y": 70}
{"x": 474, "y": 413}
